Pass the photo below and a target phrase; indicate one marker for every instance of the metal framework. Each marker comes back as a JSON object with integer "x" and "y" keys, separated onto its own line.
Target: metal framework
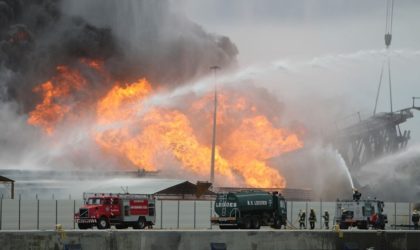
{"x": 371, "y": 138}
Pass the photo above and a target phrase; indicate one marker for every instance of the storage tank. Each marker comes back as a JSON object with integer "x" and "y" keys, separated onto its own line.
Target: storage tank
{"x": 250, "y": 209}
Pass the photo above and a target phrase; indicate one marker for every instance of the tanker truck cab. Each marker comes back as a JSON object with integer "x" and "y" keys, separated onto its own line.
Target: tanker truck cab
{"x": 280, "y": 210}
{"x": 249, "y": 209}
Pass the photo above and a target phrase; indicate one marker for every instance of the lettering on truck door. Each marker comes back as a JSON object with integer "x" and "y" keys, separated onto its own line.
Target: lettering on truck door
{"x": 139, "y": 207}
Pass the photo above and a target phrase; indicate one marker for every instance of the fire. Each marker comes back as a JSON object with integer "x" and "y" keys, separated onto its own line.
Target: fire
{"x": 120, "y": 102}
{"x": 248, "y": 139}
{"x": 127, "y": 126}
{"x": 162, "y": 130}
{"x": 252, "y": 144}
{"x": 56, "y": 98}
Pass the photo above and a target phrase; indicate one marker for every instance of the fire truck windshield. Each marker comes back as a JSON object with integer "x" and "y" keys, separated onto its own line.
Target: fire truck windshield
{"x": 94, "y": 201}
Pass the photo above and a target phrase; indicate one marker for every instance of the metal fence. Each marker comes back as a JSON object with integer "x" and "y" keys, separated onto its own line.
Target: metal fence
{"x": 26, "y": 214}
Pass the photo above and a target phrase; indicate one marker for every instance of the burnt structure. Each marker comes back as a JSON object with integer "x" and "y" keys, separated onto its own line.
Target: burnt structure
{"x": 380, "y": 134}
{"x": 371, "y": 138}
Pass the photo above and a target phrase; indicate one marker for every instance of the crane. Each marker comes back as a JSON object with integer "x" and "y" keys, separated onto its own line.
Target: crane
{"x": 388, "y": 38}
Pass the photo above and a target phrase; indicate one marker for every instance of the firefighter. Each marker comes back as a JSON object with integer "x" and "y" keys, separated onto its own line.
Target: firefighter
{"x": 312, "y": 218}
{"x": 302, "y": 219}
{"x": 326, "y": 217}
{"x": 356, "y": 195}
{"x": 380, "y": 223}
{"x": 374, "y": 220}
{"x": 415, "y": 217}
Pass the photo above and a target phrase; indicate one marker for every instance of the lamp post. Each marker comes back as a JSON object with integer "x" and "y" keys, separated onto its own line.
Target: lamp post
{"x": 213, "y": 145}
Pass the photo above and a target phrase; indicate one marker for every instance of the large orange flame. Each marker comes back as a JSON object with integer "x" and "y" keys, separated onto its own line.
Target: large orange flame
{"x": 252, "y": 144}
{"x": 56, "y": 98}
{"x": 143, "y": 135}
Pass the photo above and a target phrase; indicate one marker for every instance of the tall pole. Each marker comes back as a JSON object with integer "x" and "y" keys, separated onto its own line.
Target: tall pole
{"x": 213, "y": 145}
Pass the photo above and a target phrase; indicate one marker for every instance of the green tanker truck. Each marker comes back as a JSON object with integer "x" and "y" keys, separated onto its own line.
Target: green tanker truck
{"x": 250, "y": 209}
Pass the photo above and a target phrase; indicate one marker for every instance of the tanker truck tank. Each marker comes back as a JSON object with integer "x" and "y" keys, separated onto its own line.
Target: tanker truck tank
{"x": 250, "y": 209}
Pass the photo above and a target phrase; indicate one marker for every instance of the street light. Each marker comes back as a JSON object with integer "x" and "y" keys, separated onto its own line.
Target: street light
{"x": 213, "y": 145}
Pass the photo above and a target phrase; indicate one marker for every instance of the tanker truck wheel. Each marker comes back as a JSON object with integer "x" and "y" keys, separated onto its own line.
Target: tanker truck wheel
{"x": 102, "y": 223}
{"x": 277, "y": 223}
{"x": 256, "y": 224}
{"x": 246, "y": 223}
{"x": 227, "y": 227}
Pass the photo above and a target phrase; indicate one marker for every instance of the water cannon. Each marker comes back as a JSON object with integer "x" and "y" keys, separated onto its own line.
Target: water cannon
{"x": 388, "y": 38}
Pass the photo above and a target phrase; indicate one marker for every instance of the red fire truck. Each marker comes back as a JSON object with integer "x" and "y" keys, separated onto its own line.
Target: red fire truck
{"x": 122, "y": 210}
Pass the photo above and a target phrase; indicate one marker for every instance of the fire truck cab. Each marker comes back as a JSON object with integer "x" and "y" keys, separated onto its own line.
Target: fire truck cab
{"x": 120, "y": 210}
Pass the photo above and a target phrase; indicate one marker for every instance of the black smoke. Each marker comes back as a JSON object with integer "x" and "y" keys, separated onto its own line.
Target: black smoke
{"x": 133, "y": 39}
{"x": 38, "y": 35}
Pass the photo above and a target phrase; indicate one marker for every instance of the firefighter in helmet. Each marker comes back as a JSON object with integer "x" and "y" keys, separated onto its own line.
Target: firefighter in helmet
{"x": 415, "y": 217}
{"x": 326, "y": 218}
{"x": 356, "y": 195}
{"x": 302, "y": 219}
{"x": 312, "y": 218}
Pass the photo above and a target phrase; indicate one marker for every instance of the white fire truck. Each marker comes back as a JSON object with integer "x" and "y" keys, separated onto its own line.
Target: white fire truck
{"x": 122, "y": 210}
{"x": 361, "y": 214}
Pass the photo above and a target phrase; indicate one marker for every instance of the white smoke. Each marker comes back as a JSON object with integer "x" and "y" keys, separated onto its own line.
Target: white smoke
{"x": 393, "y": 177}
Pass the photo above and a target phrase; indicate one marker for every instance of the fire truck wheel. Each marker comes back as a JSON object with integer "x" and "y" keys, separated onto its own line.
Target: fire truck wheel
{"x": 103, "y": 223}
{"x": 140, "y": 224}
{"x": 362, "y": 225}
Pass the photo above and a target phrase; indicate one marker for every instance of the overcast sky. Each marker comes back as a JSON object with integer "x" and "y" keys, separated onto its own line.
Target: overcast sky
{"x": 327, "y": 52}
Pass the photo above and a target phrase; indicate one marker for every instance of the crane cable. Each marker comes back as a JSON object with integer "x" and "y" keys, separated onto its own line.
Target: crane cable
{"x": 388, "y": 38}
{"x": 388, "y": 24}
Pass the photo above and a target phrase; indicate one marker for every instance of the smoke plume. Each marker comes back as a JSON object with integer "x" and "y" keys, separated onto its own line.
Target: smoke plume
{"x": 134, "y": 38}
{"x": 130, "y": 39}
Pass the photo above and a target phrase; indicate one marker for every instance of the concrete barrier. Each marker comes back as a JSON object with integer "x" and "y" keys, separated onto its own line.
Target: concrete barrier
{"x": 207, "y": 239}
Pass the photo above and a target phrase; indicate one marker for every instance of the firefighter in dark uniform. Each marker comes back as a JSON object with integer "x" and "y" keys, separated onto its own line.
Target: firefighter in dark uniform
{"x": 415, "y": 217}
{"x": 326, "y": 217}
{"x": 302, "y": 219}
{"x": 312, "y": 218}
{"x": 356, "y": 195}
